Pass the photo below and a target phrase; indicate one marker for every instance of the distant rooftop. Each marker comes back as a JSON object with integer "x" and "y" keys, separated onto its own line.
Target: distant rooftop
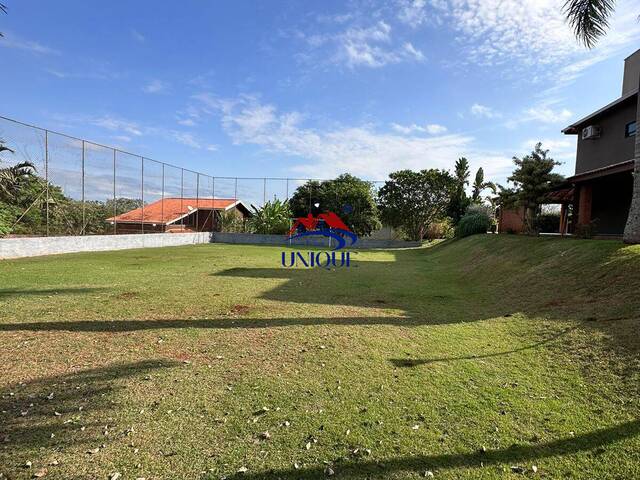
{"x": 170, "y": 210}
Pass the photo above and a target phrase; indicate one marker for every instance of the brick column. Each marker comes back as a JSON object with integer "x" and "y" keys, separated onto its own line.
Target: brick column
{"x": 584, "y": 205}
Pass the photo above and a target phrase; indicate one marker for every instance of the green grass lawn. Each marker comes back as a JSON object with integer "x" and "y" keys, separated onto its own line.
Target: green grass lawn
{"x": 489, "y": 357}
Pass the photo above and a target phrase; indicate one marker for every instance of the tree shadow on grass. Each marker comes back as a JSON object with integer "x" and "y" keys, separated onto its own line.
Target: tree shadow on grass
{"x": 220, "y": 323}
{"x": 514, "y": 455}
{"x": 18, "y": 292}
{"x": 49, "y": 413}
{"x": 415, "y": 362}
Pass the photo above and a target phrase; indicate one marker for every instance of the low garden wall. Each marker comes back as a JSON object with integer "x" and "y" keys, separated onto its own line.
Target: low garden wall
{"x": 322, "y": 242}
{"x": 34, "y": 246}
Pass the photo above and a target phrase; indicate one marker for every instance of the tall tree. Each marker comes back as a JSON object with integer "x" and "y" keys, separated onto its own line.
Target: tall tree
{"x": 479, "y": 185}
{"x": 414, "y": 200}
{"x": 533, "y": 179}
{"x": 459, "y": 200}
{"x": 349, "y": 197}
{"x": 590, "y": 21}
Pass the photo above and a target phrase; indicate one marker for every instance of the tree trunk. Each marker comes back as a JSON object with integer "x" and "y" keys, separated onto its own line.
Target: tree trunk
{"x": 632, "y": 229}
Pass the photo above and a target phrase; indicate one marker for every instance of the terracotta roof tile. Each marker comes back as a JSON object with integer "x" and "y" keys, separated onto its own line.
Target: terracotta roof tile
{"x": 170, "y": 209}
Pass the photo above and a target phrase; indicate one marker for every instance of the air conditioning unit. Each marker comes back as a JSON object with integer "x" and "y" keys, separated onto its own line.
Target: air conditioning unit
{"x": 592, "y": 131}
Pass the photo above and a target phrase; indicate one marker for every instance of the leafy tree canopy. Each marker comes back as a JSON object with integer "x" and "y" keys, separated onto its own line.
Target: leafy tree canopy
{"x": 533, "y": 179}
{"x": 413, "y": 200}
{"x": 348, "y": 196}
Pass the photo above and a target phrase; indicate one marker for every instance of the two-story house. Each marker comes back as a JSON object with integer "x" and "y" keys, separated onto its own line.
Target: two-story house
{"x": 603, "y": 182}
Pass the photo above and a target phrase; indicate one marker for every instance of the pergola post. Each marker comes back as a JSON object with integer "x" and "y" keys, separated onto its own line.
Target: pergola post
{"x": 563, "y": 219}
{"x": 584, "y": 204}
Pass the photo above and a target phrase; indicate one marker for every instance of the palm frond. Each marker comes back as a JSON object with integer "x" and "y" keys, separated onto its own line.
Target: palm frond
{"x": 589, "y": 19}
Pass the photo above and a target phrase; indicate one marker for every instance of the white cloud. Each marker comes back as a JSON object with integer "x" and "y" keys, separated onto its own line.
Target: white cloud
{"x": 187, "y": 122}
{"x": 212, "y": 148}
{"x": 14, "y": 41}
{"x": 523, "y": 34}
{"x": 371, "y": 47}
{"x": 561, "y": 149}
{"x": 137, "y": 36}
{"x": 546, "y": 114}
{"x": 360, "y": 150}
{"x": 407, "y": 129}
{"x": 116, "y": 124}
{"x": 362, "y": 46}
{"x": 435, "y": 129}
{"x": 186, "y": 139}
{"x": 155, "y": 86}
{"x": 483, "y": 111}
{"x": 413, "y": 12}
{"x": 432, "y": 129}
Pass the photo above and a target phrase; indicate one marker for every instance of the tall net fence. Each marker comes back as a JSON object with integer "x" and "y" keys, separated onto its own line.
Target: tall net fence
{"x": 79, "y": 187}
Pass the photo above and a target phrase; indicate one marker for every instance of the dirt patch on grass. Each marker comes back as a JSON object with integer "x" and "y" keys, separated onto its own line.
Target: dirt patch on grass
{"x": 126, "y": 295}
{"x": 239, "y": 310}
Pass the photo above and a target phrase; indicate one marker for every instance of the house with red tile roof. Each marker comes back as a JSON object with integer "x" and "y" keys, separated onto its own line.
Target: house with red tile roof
{"x": 178, "y": 214}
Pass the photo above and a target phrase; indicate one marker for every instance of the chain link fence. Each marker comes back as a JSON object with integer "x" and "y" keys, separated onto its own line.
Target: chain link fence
{"x": 85, "y": 188}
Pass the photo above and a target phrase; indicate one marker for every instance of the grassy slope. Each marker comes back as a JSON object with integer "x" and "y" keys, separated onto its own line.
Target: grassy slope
{"x": 524, "y": 348}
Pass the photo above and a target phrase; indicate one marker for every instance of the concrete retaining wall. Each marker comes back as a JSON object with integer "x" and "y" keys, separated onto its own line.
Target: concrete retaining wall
{"x": 322, "y": 242}
{"x": 34, "y": 246}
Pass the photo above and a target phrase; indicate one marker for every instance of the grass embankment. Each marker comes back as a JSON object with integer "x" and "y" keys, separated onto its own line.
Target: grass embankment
{"x": 465, "y": 359}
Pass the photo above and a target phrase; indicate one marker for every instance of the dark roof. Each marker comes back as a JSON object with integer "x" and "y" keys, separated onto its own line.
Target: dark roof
{"x": 574, "y": 128}
{"x": 564, "y": 195}
{"x": 626, "y": 166}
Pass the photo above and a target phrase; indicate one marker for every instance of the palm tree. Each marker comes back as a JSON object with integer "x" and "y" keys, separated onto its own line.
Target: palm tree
{"x": 3, "y": 9}
{"x": 459, "y": 200}
{"x": 590, "y": 21}
{"x": 11, "y": 177}
{"x": 479, "y": 185}
{"x": 462, "y": 172}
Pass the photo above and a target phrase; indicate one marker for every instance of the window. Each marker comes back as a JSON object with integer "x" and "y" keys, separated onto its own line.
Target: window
{"x": 630, "y": 129}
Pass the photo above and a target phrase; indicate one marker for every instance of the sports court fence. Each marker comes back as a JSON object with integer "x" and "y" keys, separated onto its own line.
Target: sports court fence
{"x": 82, "y": 187}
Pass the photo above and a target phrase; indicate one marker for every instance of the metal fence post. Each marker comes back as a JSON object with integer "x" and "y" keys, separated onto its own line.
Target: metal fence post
{"x": 181, "y": 198}
{"x": 162, "y": 224}
{"x": 115, "y": 201}
{"x": 83, "y": 205}
{"x": 264, "y": 192}
{"x": 197, "y": 202}
{"x": 46, "y": 176}
{"x": 142, "y": 191}
{"x": 213, "y": 204}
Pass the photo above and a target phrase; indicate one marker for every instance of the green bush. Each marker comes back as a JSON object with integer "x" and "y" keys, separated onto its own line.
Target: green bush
{"x": 6, "y": 219}
{"x": 231, "y": 222}
{"x": 472, "y": 224}
{"x": 441, "y": 229}
{"x": 273, "y": 218}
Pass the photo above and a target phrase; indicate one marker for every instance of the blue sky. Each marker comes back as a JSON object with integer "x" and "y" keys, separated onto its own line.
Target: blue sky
{"x": 310, "y": 89}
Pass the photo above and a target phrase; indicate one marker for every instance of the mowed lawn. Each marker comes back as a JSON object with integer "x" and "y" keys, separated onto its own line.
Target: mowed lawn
{"x": 489, "y": 357}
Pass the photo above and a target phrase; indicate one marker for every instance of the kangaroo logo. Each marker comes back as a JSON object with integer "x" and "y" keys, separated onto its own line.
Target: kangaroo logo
{"x": 325, "y": 224}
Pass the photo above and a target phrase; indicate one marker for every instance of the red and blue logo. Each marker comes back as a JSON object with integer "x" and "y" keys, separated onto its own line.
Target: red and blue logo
{"x": 326, "y": 225}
